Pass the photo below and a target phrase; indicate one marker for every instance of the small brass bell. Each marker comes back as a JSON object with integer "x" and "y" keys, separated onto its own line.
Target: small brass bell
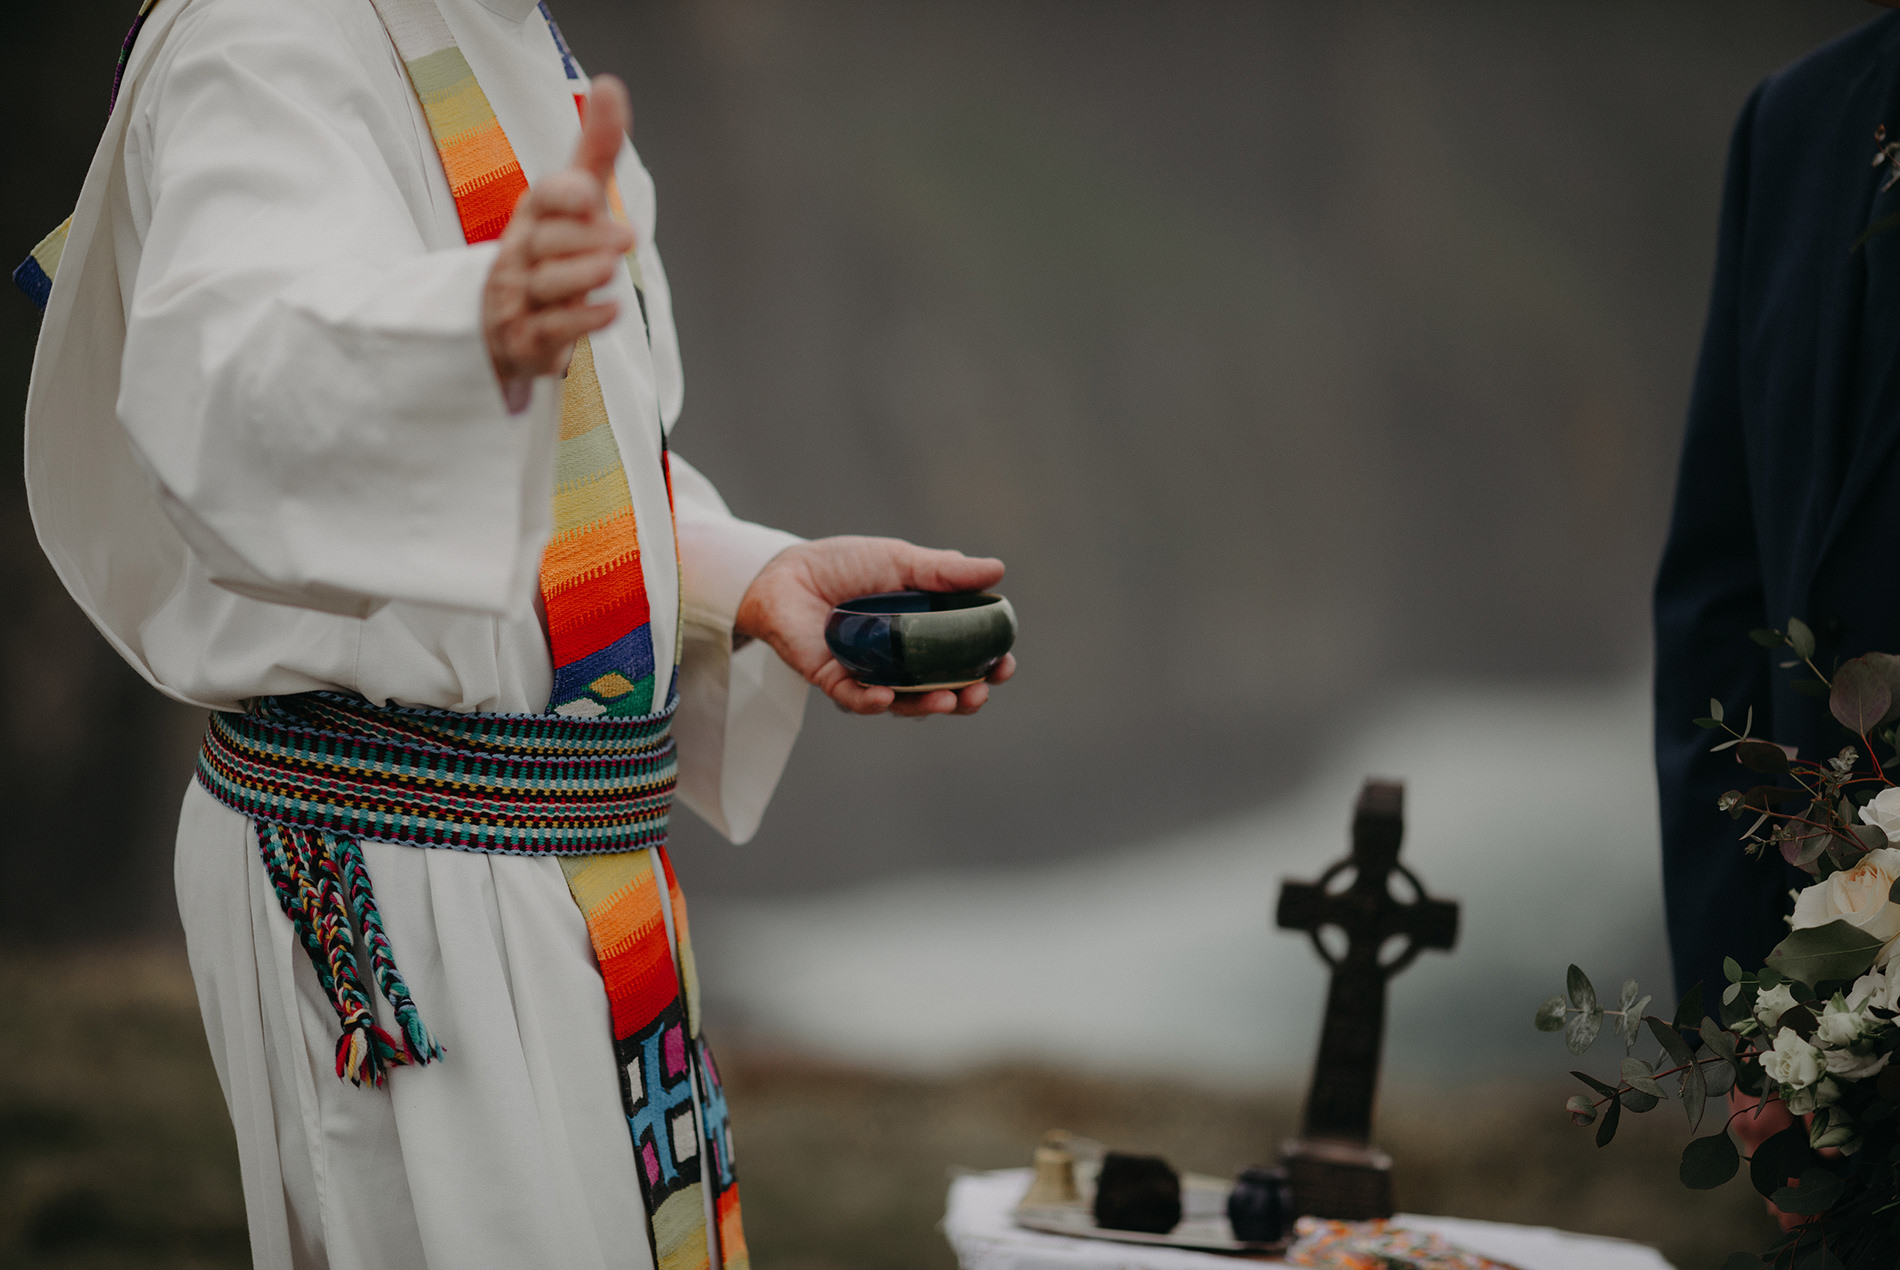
{"x": 1054, "y": 1183}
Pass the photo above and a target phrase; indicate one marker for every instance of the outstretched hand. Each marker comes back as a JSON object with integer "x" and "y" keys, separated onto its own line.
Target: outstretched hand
{"x": 562, "y": 244}
{"x": 788, "y": 604}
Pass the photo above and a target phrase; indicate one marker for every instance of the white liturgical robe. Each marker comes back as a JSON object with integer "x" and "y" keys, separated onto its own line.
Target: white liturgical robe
{"x": 267, "y": 454}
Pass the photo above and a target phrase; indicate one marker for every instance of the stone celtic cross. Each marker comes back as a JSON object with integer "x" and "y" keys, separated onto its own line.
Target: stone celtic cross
{"x": 1341, "y": 1176}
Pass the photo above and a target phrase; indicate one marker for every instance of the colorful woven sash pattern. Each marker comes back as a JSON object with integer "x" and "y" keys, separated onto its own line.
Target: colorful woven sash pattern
{"x": 509, "y": 784}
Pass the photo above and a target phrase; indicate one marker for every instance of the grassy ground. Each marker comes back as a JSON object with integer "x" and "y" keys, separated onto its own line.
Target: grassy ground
{"x": 115, "y": 1150}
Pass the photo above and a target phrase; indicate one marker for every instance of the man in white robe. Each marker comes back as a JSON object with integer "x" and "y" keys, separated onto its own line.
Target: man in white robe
{"x": 280, "y": 439}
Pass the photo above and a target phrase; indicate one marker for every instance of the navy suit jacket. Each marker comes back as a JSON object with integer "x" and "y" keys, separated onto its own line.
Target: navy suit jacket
{"x": 1788, "y": 500}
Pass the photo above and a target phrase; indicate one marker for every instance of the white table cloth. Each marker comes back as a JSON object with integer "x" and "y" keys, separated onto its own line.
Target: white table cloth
{"x": 978, "y": 1226}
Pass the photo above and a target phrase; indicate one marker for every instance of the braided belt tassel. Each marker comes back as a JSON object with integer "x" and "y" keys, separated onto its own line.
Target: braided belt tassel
{"x": 322, "y": 884}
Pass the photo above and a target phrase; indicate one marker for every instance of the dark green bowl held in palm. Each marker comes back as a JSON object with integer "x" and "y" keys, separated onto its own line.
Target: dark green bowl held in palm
{"x": 920, "y": 641}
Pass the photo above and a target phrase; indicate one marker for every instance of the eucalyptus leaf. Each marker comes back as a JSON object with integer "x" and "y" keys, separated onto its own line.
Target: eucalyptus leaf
{"x": 1860, "y": 696}
{"x": 1640, "y": 1075}
{"x": 1582, "y": 1109}
{"x": 1888, "y": 667}
{"x": 1638, "y": 1100}
{"x": 1781, "y": 1157}
{"x": 1720, "y": 1043}
{"x": 1608, "y": 1091}
{"x": 1717, "y": 1078}
{"x": 1818, "y": 1190}
{"x": 1671, "y": 1040}
{"x": 1709, "y": 1162}
{"x": 1731, "y": 970}
{"x": 1695, "y": 1093}
{"x": 1800, "y": 638}
{"x": 1577, "y": 986}
{"x": 1767, "y": 638}
{"x": 1581, "y": 1029}
{"x": 1627, "y": 997}
{"x": 1689, "y": 1009}
{"x": 1715, "y": 709}
{"x": 1762, "y": 756}
{"x": 1550, "y": 1015}
{"x": 1824, "y": 954}
{"x": 1632, "y": 1022}
{"x": 1607, "y": 1129}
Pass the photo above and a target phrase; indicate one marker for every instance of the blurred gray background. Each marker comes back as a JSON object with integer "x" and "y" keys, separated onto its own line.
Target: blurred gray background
{"x": 1290, "y": 353}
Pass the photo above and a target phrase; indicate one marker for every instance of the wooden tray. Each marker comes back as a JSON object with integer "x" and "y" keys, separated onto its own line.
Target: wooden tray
{"x": 1203, "y": 1227}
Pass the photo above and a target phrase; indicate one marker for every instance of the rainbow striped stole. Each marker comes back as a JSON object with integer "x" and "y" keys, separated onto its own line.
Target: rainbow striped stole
{"x": 600, "y": 639}
{"x": 35, "y": 274}
{"x": 599, "y": 618}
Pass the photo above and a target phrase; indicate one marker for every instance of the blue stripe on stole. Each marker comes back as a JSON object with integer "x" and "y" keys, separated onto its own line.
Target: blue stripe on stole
{"x": 631, "y": 655}
{"x": 32, "y": 279}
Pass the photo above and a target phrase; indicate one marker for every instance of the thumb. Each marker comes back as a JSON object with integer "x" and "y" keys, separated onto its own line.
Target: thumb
{"x": 604, "y": 126}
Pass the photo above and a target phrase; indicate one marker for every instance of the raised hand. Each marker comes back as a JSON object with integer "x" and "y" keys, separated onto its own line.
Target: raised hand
{"x": 562, "y": 244}
{"x": 788, "y": 603}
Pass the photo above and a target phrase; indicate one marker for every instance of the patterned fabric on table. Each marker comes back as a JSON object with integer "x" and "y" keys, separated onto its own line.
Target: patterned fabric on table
{"x": 1377, "y": 1245}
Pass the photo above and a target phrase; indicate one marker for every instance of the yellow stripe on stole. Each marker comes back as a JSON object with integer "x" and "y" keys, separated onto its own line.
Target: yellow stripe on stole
{"x": 618, "y": 895}
{"x": 679, "y": 1230}
{"x": 601, "y": 501}
{"x": 583, "y": 405}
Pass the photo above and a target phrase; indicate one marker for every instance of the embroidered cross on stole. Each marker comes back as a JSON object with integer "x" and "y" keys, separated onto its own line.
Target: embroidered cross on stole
{"x": 600, "y": 637}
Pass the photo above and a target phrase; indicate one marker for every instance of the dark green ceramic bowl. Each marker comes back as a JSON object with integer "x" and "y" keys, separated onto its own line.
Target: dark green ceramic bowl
{"x": 919, "y": 641}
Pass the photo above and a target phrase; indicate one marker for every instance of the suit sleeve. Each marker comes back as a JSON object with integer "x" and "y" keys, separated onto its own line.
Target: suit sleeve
{"x": 1708, "y": 596}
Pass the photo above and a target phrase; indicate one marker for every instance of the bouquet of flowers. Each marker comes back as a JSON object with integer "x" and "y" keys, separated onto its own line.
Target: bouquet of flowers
{"x": 1817, "y": 1027}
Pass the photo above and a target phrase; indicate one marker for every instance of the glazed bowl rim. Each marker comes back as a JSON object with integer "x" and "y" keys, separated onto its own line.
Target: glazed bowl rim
{"x": 980, "y": 600}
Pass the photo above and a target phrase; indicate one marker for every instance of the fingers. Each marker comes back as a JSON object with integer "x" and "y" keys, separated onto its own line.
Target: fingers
{"x": 1005, "y": 669}
{"x": 928, "y": 570}
{"x": 836, "y": 682}
{"x": 553, "y": 283}
{"x": 541, "y": 343}
{"x": 548, "y": 236}
{"x": 604, "y": 127}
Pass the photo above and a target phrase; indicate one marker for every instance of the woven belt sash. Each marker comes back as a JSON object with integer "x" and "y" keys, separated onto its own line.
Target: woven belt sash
{"x": 318, "y": 771}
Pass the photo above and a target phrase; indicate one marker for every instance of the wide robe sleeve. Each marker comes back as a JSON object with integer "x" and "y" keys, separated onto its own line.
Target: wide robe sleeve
{"x": 308, "y": 382}
{"x": 740, "y": 709}
{"x": 1709, "y": 595}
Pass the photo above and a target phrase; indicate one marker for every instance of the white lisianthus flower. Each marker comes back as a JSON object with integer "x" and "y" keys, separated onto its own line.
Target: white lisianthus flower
{"x": 1851, "y": 1066}
{"x": 1883, "y": 813}
{"x": 1813, "y": 1098}
{"x": 1772, "y": 1004}
{"x": 1834, "y": 1129}
{"x": 1792, "y": 1063}
{"x": 1858, "y": 896}
{"x": 1840, "y": 1024}
{"x": 1876, "y": 990}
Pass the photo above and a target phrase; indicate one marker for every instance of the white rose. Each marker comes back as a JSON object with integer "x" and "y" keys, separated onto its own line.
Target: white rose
{"x": 1883, "y": 813}
{"x": 1772, "y": 1004}
{"x": 1840, "y": 1025}
{"x": 1792, "y": 1062}
{"x": 1858, "y": 896}
{"x": 1851, "y": 1066}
